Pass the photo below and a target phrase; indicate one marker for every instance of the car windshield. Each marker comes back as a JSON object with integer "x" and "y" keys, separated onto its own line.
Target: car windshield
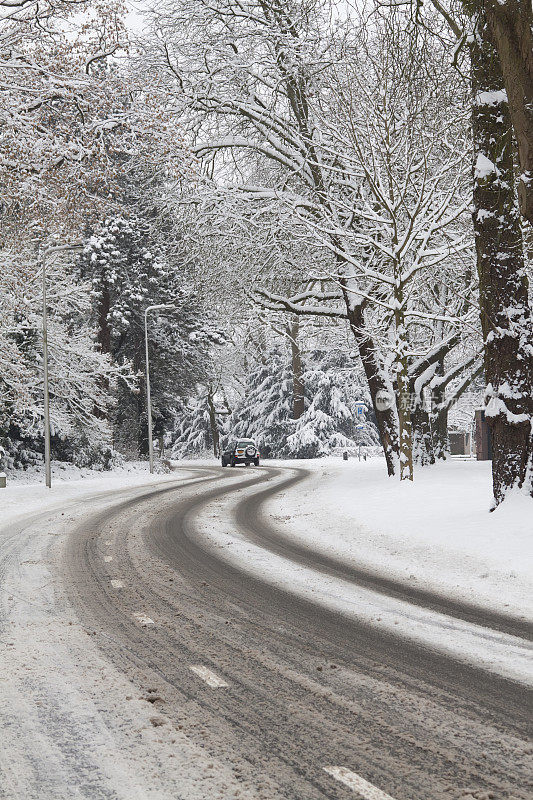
{"x": 245, "y": 443}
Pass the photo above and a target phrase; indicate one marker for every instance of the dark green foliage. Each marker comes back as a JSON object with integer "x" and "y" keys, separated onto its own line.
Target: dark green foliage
{"x": 130, "y": 270}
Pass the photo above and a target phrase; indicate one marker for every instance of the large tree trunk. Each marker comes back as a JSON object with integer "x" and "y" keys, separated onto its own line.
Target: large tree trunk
{"x": 430, "y": 427}
{"x": 387, "y": 421}
{"x": 140, "y": 408}
{"x": 503, "y": 287}
{"x": 298, "y": 402}
{"x": 509, "y": 24}
{"x": 103, "y": 332}
{"x": 439, "y": 421}
{"x": 213, "y": 422}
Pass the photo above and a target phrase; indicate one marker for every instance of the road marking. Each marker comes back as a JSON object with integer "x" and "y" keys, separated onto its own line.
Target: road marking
{"x": 108, "y": 542}
{"x": 144, "y": 620}
{"x": 358, "y": 784}
{"x": 209, "y": 677}
{"x": 108, "y": 559}
{"x": 117, "y": 584}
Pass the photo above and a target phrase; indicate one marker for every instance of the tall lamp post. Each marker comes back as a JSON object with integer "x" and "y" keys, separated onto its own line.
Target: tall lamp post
{"x": 148, "y": 396}
{"x": 43, "y": 254}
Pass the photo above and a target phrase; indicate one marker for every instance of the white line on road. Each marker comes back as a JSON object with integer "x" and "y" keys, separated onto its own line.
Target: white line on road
{"x": 144, "y": 620}
{"x": 107, "y": 559}
{"x": 117, "y": 584}
{"x": 209, "y": 677}
{"x": 358, "y": 784}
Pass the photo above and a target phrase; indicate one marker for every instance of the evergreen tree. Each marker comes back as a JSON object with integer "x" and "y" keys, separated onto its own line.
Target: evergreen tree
{"x": 79, "y": 375}
{"x": 265, "y": 411}
{"x": 198, "y": 426}
{"x": 329, "y": 422}
{"x": 130, "y": 270}
{"x": 193, "y": 431}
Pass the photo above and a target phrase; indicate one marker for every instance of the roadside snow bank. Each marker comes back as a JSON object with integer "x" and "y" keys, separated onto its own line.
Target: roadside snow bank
{"x": 434, "y": 533}
{"x": 19, "y": 500}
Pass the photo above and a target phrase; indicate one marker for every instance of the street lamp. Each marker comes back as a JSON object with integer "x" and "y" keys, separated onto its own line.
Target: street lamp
{"x": 43, "y": 253}
{"x": 148, "y": 397}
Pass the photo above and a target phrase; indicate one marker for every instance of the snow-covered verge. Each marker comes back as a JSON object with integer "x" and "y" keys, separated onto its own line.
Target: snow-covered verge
{"x": 64, "y": 471}
{"x": 434, "y": 533}
{"x": 26, "y": 493}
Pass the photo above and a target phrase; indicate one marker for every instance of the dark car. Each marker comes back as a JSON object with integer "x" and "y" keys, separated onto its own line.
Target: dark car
{"x": 240, "y": 451}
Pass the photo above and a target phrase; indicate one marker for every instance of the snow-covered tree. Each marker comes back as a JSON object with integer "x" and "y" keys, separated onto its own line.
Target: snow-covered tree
{"x": 333, "y": 388}
{"x": 199, "y": 424}
{"x": 299, "y": 117}
{"x": 265, "y": 411}
{"x": 130, "y": 271}
{"x": 79, "y": 374}
{"x": 73, "y": 124}
{"x": 499, "y": 51}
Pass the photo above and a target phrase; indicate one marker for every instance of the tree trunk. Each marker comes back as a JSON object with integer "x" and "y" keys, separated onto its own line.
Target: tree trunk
{"x": 213, "y": 422}
{"x": 103, "y": 334}
{"x": 404, "y": 399}
{"x": 423, "y": 450}
{"x": 386, "y": 418}
{"x": 139, "y": 406}
{"x": 439, "y": 429}
{"x": 439, "y": 421}
{"x": 509, "y": 24}
{"x": 298, "y": 400}
{"x": 503, "y": 287}
{"x": 430, "y": 425}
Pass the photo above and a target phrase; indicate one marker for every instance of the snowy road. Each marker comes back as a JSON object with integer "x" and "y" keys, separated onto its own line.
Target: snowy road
{"x": 167, "y": 642}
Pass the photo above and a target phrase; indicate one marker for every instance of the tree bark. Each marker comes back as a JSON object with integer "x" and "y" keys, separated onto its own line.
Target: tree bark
{"x": 298, "y": 400}
{"x": 139, "y": 405}
{"x": 439, "y": 420}
{"x": 213, "y": 422}
{"x": 386, "y": 418}
{"x": 509, "y": 24}
{"x": 423, "y": 449}
{"x": 503, "y": 285}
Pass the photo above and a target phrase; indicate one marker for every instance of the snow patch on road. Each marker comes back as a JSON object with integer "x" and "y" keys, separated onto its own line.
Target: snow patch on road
{"x": 143, "y": 620}
{"x": 208, "y": 676}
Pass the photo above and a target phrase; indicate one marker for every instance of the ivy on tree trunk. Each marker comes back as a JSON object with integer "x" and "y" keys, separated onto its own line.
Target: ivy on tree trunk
{"x": 503, "y": 285}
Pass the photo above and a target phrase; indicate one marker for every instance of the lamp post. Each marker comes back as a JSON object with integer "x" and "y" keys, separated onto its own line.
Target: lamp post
{"x": 148, "y": 396}
{"x": 43, "y": 253}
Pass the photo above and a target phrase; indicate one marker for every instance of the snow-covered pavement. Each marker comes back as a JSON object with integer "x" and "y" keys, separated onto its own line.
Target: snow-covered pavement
{"x": 148, "y": 652}
{"x": 436, "y": 533}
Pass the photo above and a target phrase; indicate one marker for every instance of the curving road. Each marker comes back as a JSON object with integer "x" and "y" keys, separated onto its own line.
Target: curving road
{"x": 277, "y": 695}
